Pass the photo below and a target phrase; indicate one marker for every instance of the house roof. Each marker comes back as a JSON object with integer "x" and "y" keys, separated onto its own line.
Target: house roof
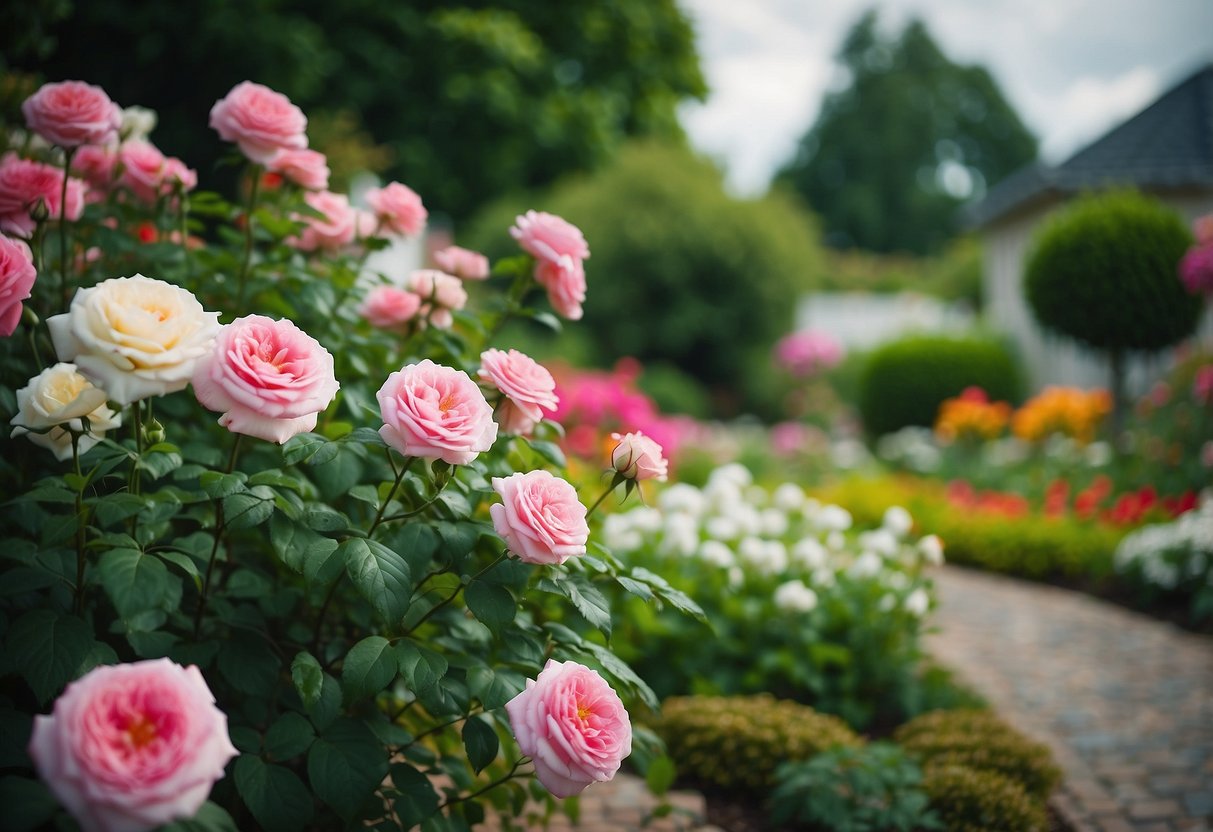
{"x": 1167, "y": 145}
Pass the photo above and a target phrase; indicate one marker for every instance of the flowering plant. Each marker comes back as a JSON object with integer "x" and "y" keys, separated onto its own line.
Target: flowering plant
{"x": 266, "y": 533}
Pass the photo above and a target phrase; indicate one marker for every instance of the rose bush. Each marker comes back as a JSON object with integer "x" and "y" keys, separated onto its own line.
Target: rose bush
{"x": 346, "y": 576}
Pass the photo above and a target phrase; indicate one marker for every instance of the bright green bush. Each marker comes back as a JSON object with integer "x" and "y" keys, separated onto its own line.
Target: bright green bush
{"x": 735, "y": 743}
{"x": 972, "y": 800}
{"x": 904, "y": 381}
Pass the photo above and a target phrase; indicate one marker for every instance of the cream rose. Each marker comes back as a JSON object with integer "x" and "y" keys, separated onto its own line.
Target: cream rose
{"x": 60, "y": 398}
{"x": 134, "y": 336}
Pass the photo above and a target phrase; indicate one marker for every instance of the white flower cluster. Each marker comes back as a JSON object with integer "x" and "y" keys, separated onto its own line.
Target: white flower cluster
{"x": 1169, "y": 554}
{"x": 781, "y": 538}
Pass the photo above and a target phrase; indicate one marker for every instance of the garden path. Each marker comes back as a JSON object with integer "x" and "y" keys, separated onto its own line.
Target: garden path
{"x": 1124, "y": 701}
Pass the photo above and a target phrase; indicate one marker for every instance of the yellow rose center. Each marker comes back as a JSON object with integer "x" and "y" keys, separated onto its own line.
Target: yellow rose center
{"x": 447, "y": 402}
{"x": 584, "y": 711}
{"x": 142, "y": 731}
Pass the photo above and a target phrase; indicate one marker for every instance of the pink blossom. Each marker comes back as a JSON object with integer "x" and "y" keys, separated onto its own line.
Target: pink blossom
{"x": 462, "y": 262}
{"x": 72, "y": 113}
{"x": 269, "y": 378}
{"x": 1202, "y": 385}
{"x": 572, "y": 725}
{"x": 23, "y": 183}
{"x": 1202, "y": 229}
{"x": 335, "y": 229}
{"x": 807, "y": 353}
{"x": 398, "y": 208}
{"x": 131, "y": 747}
{"x": 17, "y": 277}
{"x": 789, "y": 438}
{"x": 638, "y": 457}
{"x": 527, "y": 387}
{"x": 389, "y": 307}
{"x": 1196, "y": 269}
{"x": 559, "y": 249}
{"x": 435, "y": 412}
{"x": 149, "y": 174}
{"x": 306, "y": 168}
{"x": 440, "y": 294}
{"x": 539, "y": 517}
{"x": 95, "y": 164}
{"x": 260, "y": 121}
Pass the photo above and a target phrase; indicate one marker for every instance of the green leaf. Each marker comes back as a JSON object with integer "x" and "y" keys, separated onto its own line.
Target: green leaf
{"x": 676, "y": 598}
{"x": 586, "y": 598}
{"x": 416, "y": 543}
{"x": 660, "y": 775}
{"x": 380, "y": 575}
{"x": 276, "y": 797}
{"x": 159, "y": 463}
{"x": 369, "y": 667}
{"x": 26, "y": 579}
{"x": 417, "y": 800}
{"x": 491, "y": 603}
{"x": 248, "y": 509}
{"x": 217, "y": 484}
{"x": 249, "y": 664}
{"x": 308, "y": 447}
{"x": 47, "y": 649}
{"x": 308, "y": 678}
{"x": 27, "y": 803}
{"x": 296, "y": 544}
{"x": 289, "y": 736}
{"x": 210, "y": 818}
{"x": 183, "y": 562}
{"x": 322, "y": 563}
{"x": 481, "y": 743}
{"x": 458, "y": 539}
{"x": 345, "y": 765}
{"x": 328, "y": 706}
{"x": 641, "y": 590}
{"x": 420, "y": 667}
{"x": 494, "y": 687}
{"x": 134, "y": 581}
{"x": 550, "y": 451}
{"x": 15, "y": 729}
{"x": 618, "y": 668}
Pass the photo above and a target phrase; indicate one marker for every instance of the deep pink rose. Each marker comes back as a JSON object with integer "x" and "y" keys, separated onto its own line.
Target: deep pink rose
{"x": 559, "y": 250}
{"x": 16, "y": 282}
{"x": 95, "y": 164}
{"x": 72, "y": 113}
{"x": 306, "y": 168}
{"x": 440, "y": 294}
{"x": 334, "y": 230}
{"x": 463, "y": 263}
{"x": 23, "y": 183}
{"x": 638, "y": 457}
{"x": 572, "y": 725}
{"x": 131, "y": 747}
{"x": 269, "y": 378}
{"x": 1196, "y": 269}
{"x": 398, "y": 208}
{"x": 435, "y": 412}
{"x": 389, "y": 307}
{"x": 527, "y": 387}
{"x": 539, "y": 517}
{"x": 260, "y": 121}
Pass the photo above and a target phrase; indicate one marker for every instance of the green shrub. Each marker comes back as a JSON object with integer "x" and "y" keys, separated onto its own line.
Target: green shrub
{"x": 972, "y": 800}
{"x": 980, "y": 740}
{"x": 735, "y": 743}
{"x": 905, "y": 381}
{"x": 867, "y": 788}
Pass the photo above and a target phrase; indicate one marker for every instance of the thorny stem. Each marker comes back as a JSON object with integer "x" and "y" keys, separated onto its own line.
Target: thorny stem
{"x": 68, "y": 154}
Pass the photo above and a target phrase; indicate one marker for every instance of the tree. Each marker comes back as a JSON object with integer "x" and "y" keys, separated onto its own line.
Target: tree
{"x": 894, "y": 154}
{"x": 475, "y": 99}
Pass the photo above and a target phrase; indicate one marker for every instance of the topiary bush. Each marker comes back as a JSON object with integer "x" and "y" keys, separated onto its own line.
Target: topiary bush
{"x": 973, "y": 800}
{"x": 904, "y": 381}
{"x": 735, "y": 743}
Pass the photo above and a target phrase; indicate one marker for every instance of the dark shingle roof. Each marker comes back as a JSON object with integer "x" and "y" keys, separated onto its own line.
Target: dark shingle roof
{"x": 1169, "y": 144}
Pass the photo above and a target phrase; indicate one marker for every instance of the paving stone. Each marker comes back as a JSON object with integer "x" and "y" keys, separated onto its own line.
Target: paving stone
{"x": 1199, "y": 804}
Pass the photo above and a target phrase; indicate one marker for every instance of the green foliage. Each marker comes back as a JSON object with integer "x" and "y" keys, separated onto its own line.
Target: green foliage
{"x": 972, "y": 800}
{"x": 904, "y": 381}
{"x": 1104, "y": 272}
{"x": 978, "y": 739}
{"x": 894, "y": 154}
{"x": 866, "y": 788}
{"x": 736, "y": 743}
{"x": 953, "y": 274}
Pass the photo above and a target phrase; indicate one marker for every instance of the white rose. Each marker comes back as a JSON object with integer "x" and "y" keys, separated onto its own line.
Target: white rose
{"x": 60, "y": 396}
{"x": 794, "y": 596}
{"x": 880, "y": 541}
{"x": 789, "y": 496}
{"x": 867, "y": 565}
{"x": 809, "y": 553}
{"x": 918, "y": 602}
{"x": 898, "y": 521}
{"x": 833, "y": 518}
{"x": 135, "y": 336}
{"x": 137, "y": 123}
{"x": 716, "y": 553}
{"x": 931, "y": 548}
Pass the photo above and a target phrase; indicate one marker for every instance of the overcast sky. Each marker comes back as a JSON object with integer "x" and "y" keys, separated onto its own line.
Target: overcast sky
{"x": 1071, "y": 68}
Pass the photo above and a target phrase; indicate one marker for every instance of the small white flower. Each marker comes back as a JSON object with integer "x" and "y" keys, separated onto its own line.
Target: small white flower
{"x": 917, "y": 603}
{"x": 788, "y": 497}
{"x": 721, "y": 527}
{"x": 880, "y": 541}
{"x": 734, "y": 473}
{"x": 809, "y": 553}
{"x": 681, "y": 497}
{"x": 794, "y": 596}
{"x": 898, "y": 521}
{"x": 767, "y": 556}
{"x": 717, "y": 554}
{"x": 774, "y": 522}
{"x": 833, "y": 518}
{"x": 898, "y": 580}
{"x": 835, "y": 541}
{"x": 867, "y": 565}
{"x": 887, "y": 602}
{"x": 681, "y": 535}
{"x": 137, "y": 123}
{"x": 824, "y": 578}
{"x": 646, "y": 519}
{"x": 931, "y": 549}
{"x": 619, "y": 535}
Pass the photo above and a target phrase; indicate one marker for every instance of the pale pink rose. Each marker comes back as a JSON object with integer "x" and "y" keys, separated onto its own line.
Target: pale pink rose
{"x": 1202, "y": 385}
{"x": 95, "y": 164}
{"x": 306, "y": 168}
{"x": 559, "y": 249}
{"x": 572, "y": 725}
{"x": 23, "y": 183}
{"x": 260, "y": 121}
{"x": 638, "y": 457}
{"x": 440, "y": 294}
{"x": 435, "y": 412}
{"x": 389, "y": 307}
{"x": 398, "y": 208}
{"x": 334, "y": 230}
{"x": 807, "y": 353}
{"x": 72, "y": 113}
{"x": 1202, "y": 229}
{"x": 463, "y": 263}
{"x": 269, "y": 378}
{"x": 175, "y": 173}
{"x": 540, "y": 517}
{"x": 528, "y": 389}
{"x": 131, "y": 747}
{"x": 367, "y": 224}
{"x": 142, "y": 169}
{"x": 17, "y": 277}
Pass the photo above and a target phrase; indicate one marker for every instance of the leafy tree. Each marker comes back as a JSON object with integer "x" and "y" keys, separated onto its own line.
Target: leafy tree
{"x": 474, "y": 98}
{"x": 893, "y": 155}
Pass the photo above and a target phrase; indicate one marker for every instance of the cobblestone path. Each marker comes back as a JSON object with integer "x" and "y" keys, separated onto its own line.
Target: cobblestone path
{"x": 1125, "y": 701}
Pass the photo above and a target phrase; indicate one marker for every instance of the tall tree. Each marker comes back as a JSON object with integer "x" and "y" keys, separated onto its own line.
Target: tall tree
{"x": 475, "y": 97}
{"x": 911, "y": 137}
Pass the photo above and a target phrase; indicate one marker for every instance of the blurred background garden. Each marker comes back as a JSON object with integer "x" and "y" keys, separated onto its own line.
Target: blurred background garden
{"x": 891, "y": 286}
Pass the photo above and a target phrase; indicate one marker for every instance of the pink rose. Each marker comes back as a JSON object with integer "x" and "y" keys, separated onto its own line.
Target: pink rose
{"x": 389, "y": 307}
{"x": 572, "y": 725}
{"x": 72, "y": 113}
{"x": 435, "y": 412}
{"x": 335, "y": 229}
{"x": 1202, "y": 385}
{"x": 269, "y": 378}
{"x": 95, "y": 164}
{"x": 440, "y": 294}
{"x": 1196, "y": 269}
{"x": 306, "y": 168}
{"x": 528, "y": 389}
{"x": 260, "y": 121}
{"x": 398, "y": 208}
{"x": 559, "y": 249}
{"x": 16, "y": 282}
{"x": 142, "y": 169}
{"x": 540, "y": 517}
{"x": 23, "y": 183}
{"x": 463, "y": 263}
{"x": 638, "y": 457}
{"x": 176, "y": 173}
{"x": 131, "y": 747}
{"x": 1202, "y": 229}
{"x": 806, "y": 353}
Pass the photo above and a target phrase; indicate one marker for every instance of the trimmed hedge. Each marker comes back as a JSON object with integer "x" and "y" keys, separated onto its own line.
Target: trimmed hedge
{"x": 973, "y": 800}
